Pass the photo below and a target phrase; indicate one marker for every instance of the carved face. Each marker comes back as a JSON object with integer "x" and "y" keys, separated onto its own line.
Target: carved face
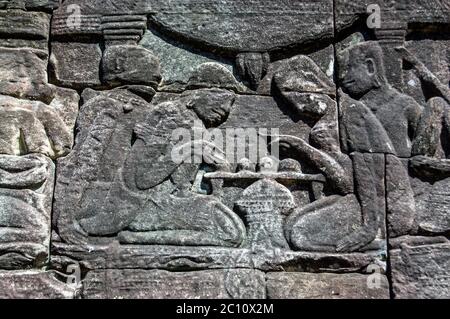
{"x": 212, "y": 114}
{"x": 360, "y": 77}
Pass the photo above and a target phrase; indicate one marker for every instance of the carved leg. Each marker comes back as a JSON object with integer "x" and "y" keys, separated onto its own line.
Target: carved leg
{"x": 368, "y": 184}
{"x": 172, "y": 237}
{"x": 321, "y": 224}
{"x": 179, "y": 221}
{"x": 119, "y": 209}
{"x": 401, "y": 206}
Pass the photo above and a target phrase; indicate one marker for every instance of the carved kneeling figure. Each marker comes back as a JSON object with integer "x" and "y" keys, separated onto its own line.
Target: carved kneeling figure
{"x": 151, "y": 202}
{"x": 168, "y": 214}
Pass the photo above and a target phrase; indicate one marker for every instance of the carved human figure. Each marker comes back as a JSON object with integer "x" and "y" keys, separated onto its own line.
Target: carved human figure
{"x": 151, "y": 200}
{"x": 376, "y": 119}
{"x": 321, "y": 225}
{"x": 26, "y": 186}
{"x": 364, "y": 79}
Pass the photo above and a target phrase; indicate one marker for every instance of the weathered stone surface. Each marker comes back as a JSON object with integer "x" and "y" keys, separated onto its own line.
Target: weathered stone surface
{"x": 153, "y": 209}
{"x": 264, "y": 203}
{"x": 419, "y": 11}
{"x": 46, "y": 5}
{"x": 230, "y": 25}
{"x": 108, "y": 117}
{"x": 300, "y": 74}
{"x": 432, "y": 196}
{"x": 178, "y": 62}
{"x": 26, "y": 191}
{"x": 120, "y": 29}
{"x": 428, "y": 167}
{"x": 76, "y": 64}
{"x": 401, "y": 206}
{"x": 252, "y": 66}
{"x": 264, "y": 112}
{"x": 24, "y": 74}
{"x": 433, "y": 54}
{"x": 159, "y": 284}
{"x": 431, "y": 128}
{"x": 387, "y": 111}
{"x": 421, "y": 271}
{"x": 245, "y": 32}
{"x": 326, "y": 286}
{"x": 309, "y": 104}
{"x": 34, "y": 285}
{"x": 309, "y": 230}
{"x": 20, "y": 24}
{"x": 227, "y": 136}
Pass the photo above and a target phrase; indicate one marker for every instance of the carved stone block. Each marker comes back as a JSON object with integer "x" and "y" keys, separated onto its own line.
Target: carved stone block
{"x": 76, "y": 64}
{"x": 34, "y": 285}
{"x": 420, "y": 270}
{"x": 24, "y": 74}
{"x": 159, "y": 284}
{"x": 326, "y": 286}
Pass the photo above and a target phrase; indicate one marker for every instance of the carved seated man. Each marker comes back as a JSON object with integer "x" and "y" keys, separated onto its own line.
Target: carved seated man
{"x": 323, "y": 224}
{"x": 151, "y": 201}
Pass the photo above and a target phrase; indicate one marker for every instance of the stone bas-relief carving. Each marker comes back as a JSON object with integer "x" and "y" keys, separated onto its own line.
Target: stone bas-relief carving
{"x": 139, "y": 204}
{"x": 26, "y": 189}
{"x": 36, "y": 126}
{"x": 346, "y": 196}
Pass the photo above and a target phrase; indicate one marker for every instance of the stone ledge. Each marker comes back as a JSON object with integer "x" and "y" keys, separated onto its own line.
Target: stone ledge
{"x": 161, "y": 284}
{"x": 34, "y": 285}
{"x": 198, "y": 258}
{"x": 326, "y": 286}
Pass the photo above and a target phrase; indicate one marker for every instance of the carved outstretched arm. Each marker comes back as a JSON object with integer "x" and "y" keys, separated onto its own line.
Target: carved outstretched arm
{"x": 428, "y": 133}
{"x": 424, "y": 73}
{"x": 332, "y": 169}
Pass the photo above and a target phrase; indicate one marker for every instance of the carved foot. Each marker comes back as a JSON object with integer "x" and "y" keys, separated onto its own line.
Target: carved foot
{"x": 355, "y": 241}
{"x": 173, "y": 237}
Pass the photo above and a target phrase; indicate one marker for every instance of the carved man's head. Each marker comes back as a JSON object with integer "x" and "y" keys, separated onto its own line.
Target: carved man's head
{"x": 363, "y": 69}
{"x": 212, "y": 106}
{"x": 130, "y": 64}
